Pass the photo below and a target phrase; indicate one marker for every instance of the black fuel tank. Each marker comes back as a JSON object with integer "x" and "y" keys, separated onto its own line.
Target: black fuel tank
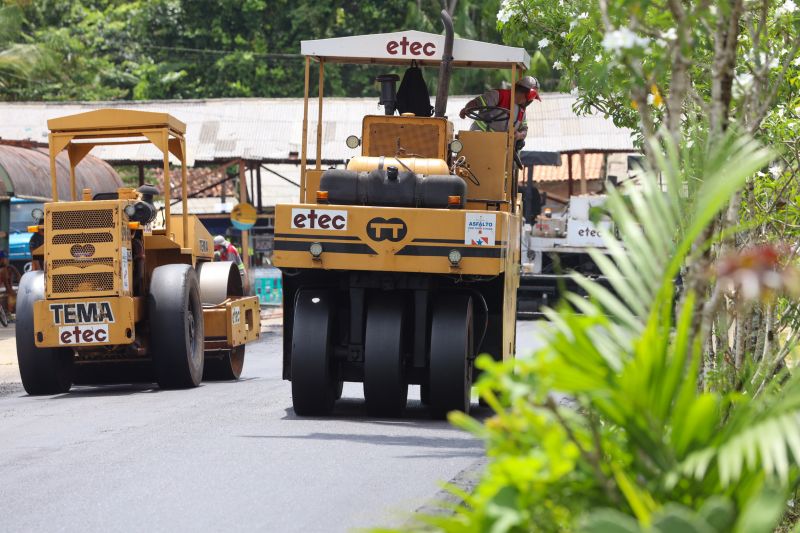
{"x": 391, "y": 188}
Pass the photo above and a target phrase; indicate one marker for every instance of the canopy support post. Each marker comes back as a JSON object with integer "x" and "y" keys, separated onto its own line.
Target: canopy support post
{"x": 319, "y": 113}
{"x": 511, "y": 177}
{"x": 167, "y": 184}
{"x": 245, "y": 233}
{"x": 304, "y": 145}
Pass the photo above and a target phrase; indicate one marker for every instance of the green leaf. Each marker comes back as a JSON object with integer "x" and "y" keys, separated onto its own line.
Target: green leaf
{"x": 762, "y": 513}
{"x": 609, "y": 521}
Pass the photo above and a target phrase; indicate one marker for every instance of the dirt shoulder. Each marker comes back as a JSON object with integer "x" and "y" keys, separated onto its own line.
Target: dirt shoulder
{"x": 9, "y": 371}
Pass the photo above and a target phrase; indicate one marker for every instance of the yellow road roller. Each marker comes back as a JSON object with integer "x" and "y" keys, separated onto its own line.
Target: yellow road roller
{"x": 127, "y": 291}
{"x": 404, "y": 266}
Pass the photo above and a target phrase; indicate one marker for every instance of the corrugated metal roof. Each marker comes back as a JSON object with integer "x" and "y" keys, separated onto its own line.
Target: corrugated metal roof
{"x": 271, "y": 128}
{"x": 593, "y": 164}
{"x": 29, "y": 173}
{"x": 554, "y": 127}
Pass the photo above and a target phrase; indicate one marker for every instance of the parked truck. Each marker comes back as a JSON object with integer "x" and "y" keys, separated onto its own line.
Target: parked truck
{"x": 556, "y": 244}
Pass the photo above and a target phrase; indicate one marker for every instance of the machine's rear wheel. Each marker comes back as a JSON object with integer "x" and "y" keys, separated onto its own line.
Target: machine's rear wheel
{"x": 314, "y": 381}
{"x": 385, "y": 387}
{"x": 176, "y": 326}
{"x": 450, "y": 370}
{"x": 225, "y": 368}
{"x": 43, "y": 370}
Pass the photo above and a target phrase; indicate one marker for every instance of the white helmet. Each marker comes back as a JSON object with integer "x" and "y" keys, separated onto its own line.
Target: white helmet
{"x": 219, "y": 240}
{"x": 532, "y": 85}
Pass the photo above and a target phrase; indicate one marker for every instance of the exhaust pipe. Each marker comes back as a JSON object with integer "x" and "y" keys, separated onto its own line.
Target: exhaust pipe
{"x": 445, "y": 66}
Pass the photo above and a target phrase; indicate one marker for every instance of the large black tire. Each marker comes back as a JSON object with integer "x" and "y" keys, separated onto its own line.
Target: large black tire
{"x": 226, "y": 367}
{"x": 385, "y": 385}
{"x": 314, "y": 381}
{"x": 176, "y": 327}
{"x": 451, "y": 357}
{"x": 43, "y": 370}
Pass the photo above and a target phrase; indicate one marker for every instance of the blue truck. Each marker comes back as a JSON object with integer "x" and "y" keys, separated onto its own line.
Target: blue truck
{"x": 19, "y": 252}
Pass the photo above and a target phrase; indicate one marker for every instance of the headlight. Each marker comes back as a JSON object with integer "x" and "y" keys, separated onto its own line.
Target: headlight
{"x": 454, "y": 257}
{"x": 37, "y": 214}
{"x": 353, "y": 142}
{"x": 315, "y": 250}
{"x": 456, "y": 146}
{"x": 130, "y": 210}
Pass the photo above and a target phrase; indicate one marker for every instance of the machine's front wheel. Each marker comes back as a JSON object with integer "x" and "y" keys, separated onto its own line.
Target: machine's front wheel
{"x": 314, "y": 381}
{"x": 219, "y": 281}
{"x": 450, "y": 371}
{"x": 43, "y": 370}
{"x": 176, "y": 327}
{"x": 385, "y": 386}
{"x": 225, "y": 368}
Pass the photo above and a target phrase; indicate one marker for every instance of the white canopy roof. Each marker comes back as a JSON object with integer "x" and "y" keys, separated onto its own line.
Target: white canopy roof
{"x": 400, "y": 48}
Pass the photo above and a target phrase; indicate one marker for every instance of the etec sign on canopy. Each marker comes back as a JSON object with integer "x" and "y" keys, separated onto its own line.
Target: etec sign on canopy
{"x": 415, "y": 48}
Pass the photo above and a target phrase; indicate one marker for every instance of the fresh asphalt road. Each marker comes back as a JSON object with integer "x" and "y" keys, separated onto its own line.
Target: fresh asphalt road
{"x": 222, "y": 456}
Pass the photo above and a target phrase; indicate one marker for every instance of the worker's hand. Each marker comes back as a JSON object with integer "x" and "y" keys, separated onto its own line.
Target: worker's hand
{"x": 520, "y": 135}
{"x": 463, "y": 113}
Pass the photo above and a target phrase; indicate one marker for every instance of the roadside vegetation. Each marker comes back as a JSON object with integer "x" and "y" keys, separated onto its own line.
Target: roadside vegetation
{"x": 679, "y": 402}
{"x": 179, "y": 49}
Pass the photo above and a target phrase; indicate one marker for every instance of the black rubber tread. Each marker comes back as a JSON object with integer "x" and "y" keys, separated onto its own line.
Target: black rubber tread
{"x": 227, "y": 367}
{"x": 314, "y": 383}
{"x": 339, "y": 389}
{"x": 424, "y": 394}
{"x": 385, "y": 385}
{"x": 450, "y": 367}
{"x": 43, "y": 370}
{"x": 174, "y": 298}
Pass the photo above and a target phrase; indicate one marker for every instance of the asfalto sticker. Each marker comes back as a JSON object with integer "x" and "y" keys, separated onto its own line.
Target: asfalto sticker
{"x": 480, "y": 229}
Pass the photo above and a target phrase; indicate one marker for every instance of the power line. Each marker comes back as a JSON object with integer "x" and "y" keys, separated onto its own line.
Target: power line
{"x": 223, "y": 52}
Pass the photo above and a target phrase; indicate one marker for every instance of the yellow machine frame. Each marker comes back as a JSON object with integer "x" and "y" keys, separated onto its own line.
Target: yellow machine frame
{"x": 183, "y": 239}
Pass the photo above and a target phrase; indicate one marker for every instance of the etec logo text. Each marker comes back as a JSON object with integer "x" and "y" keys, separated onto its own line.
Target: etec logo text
{"x": 382, "y": 229}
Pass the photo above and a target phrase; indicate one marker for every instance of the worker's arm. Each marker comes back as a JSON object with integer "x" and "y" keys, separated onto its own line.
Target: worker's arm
{"x": 522, "y": 130}
{"x": 487, "y": 99}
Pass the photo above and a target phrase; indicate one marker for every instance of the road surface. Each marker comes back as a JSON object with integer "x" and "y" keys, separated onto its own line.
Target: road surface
{"x": 223, "y": 456}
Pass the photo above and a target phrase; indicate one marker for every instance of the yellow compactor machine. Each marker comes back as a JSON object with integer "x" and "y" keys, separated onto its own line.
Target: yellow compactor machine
{"x": 403, "y": 267}
{"x": 127, "y": 291}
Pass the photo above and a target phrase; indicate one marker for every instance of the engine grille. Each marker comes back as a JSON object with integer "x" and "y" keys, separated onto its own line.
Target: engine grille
{"x": 404, "y": 140}
{"x": 82, "y": 238}
{"x": 83, "y": 263}
{"x": 95, "y": 218}
{"x": 91, "y": 282}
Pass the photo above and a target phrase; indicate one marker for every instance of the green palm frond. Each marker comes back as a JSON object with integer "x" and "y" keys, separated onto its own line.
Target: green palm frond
{"x": 761, "y": 436}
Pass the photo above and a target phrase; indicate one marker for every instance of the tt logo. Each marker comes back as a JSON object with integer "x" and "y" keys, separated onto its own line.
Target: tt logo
{"x": 381, "y": 229}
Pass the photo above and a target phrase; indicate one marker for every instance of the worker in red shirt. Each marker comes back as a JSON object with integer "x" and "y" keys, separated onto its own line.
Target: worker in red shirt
{"x": 227, "y": 251}
{"x": 525, "y": 92}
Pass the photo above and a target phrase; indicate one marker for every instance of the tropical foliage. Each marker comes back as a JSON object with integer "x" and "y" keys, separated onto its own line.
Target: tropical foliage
{"x": 604, "y": 428}
{"x": 162, "y": 49}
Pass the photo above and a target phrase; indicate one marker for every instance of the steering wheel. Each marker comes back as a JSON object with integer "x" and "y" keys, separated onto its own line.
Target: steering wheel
{"x": 487, "y": 113}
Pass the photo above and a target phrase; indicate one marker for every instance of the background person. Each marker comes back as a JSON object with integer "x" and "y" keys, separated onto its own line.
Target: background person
{"x": 9, "y": 275}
